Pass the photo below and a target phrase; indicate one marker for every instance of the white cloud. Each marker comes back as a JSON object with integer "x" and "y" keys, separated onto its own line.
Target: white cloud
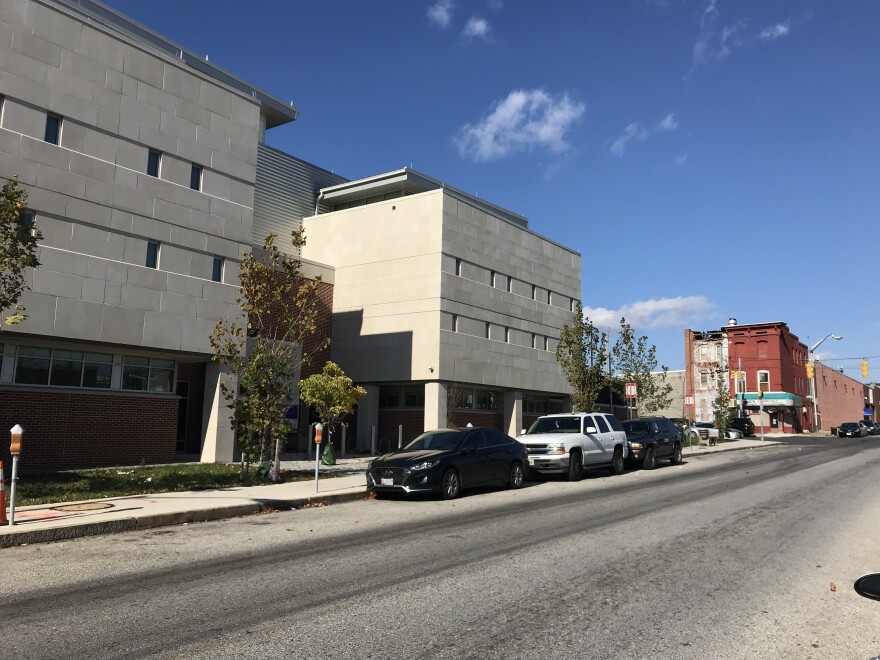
{"x": 717, "y": 44}
{"x": 680, "y": 312}
{"x": 524, "y": 120}
{"x": 775, "y": 31}
{"x": 681, "y": 160}
{"x": 635, "y": 132}
{"x": 495, "y": 4}
{"x": 440, "y": 13}
{"x": 476, "y": 27}
{"x": 667, "y": 124}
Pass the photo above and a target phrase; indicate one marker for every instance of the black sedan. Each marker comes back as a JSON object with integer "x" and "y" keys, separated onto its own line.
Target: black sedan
{"x": 447, "y": 460}
{"x": 852, "y": 430}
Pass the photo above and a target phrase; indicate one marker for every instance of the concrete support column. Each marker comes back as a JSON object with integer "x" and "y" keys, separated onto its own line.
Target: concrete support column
{"x": 513, "y": 410}
{"x": 367, "y": 416}
{"x": 435, "y": 406}
{"x": 218, "y": 439}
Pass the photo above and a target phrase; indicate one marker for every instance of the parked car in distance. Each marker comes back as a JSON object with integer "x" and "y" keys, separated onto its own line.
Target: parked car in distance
{"x": 571, "y": 443}
{"x": 744, "y": 425}
{"x": 852, "y": 430}
{"x": 712, "y": 431}
{"x": 445, "y": 461}
{"x": 650, "y": 439}
{"x": 873, "y": 427}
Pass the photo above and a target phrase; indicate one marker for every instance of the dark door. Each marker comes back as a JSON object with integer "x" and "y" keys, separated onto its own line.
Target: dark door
{"x": 182, "y": 390}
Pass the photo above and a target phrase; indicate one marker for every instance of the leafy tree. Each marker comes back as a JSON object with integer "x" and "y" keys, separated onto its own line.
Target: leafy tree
{"x": 723, "y": 411}
{"x": 582, "y": 353}
{"x": 332, "y": 395}
{"x": 634, "y": 361}
{"x": 263, "y": 346}
{"x": 18, "y": 250}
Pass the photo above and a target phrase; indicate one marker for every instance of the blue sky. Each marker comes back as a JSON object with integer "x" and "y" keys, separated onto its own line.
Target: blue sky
{"x": 708, "y": 158}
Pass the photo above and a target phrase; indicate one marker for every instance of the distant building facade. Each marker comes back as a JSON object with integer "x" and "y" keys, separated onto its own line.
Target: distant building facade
{"x": 762, "y": 366}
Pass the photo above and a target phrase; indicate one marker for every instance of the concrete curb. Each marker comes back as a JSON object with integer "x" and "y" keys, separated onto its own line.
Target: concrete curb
{"x": 707, "y": 452}
{"x": 10, "y": 539}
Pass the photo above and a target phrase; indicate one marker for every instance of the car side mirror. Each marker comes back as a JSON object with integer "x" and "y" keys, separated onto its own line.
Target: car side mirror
{"x": 868, "y": 586}
{"x": 522, "y": 432}
{"x": 591, "y": 429}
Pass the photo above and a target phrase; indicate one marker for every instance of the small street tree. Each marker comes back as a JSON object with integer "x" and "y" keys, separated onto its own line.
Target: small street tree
{"x": 721, "y": 408}
{"x": 581, "y": 353}
{"x": 263, "y": 347}
{"x": 331, "y": 394}
{"x": 18, "y": 250}
{"x": 633, "y": 360}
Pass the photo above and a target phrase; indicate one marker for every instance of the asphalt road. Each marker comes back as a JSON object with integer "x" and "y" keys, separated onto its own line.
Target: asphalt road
{"x": 748, "y": 554}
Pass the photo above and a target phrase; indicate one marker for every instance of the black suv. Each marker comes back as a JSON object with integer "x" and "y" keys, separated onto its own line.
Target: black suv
{"x": 650, "y": 439}
{"x": 744, "y": 425}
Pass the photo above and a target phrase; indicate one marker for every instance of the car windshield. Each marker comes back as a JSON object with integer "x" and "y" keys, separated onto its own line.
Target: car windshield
{"x": 704, "y": 425}
{"x": 556, "y": 425}
{"x": 849, "y": 425}
{"x": 443, "y": 440}
{"x": 637, "y": 427}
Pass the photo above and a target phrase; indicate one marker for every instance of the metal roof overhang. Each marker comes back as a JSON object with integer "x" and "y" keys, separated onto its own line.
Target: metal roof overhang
{"x": 771, "y": 399}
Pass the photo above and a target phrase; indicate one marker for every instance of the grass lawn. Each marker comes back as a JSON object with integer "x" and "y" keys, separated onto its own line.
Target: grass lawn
{"x": 118, "y": 482}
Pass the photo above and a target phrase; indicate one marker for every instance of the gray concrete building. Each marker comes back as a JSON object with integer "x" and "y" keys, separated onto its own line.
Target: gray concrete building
{"x": 148, "y": 175}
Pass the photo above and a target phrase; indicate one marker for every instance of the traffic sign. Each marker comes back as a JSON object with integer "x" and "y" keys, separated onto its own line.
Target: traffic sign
{"x": 689, "y": 400}
{"x": 630, "y": 390}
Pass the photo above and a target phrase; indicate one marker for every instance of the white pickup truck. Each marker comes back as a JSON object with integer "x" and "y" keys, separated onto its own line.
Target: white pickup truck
{"x": 571, "y": 443}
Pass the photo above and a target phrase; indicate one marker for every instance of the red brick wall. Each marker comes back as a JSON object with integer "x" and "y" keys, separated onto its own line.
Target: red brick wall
{"x": 67, "y": 430}
{"x": 413, "y": 426}
{"x": 323, "y": 331}
{"x": 841, "y": 398}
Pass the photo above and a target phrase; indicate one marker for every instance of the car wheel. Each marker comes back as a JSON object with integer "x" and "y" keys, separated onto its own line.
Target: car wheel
{"x": 516, "y": 476}
{"x": 450, "y": 485}
{"x": 575, "y": 466}
{"x": 676, "y": 456}
{"x": 617, "y": 462}
{"x": 650, "y": 460}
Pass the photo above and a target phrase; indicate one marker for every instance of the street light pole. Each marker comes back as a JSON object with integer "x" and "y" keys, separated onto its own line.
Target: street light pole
{"x": 813, "y": 392}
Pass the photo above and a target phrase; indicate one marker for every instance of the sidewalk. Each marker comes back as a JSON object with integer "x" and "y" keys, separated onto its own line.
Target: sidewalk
{"x": 57, "y": 522}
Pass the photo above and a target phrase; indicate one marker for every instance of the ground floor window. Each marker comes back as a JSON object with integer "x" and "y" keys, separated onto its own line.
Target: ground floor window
{"x": 61, "y": 367}
{"x": 147, "y": 374}
{"x": 402, "y": 396}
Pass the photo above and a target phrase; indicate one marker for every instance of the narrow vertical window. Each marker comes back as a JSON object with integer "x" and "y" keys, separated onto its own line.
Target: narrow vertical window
{"x": 153, "y": 160}
{"x": 53, "y": 129}
{"x": 2, "y": 107}
{"x": 195, "y": 177}
{"x": 455, "y": 322}
{"x": 534, "y": 292}
{"x": 28, "y": 218}
{"x": 488, "y": 328}
{"x": 534, "y": 340}
{"x": 458, "y": 267}
{"x": 152, "y": 255}
{"x": 546, "y": 343}
{"x": 492, "y": 278}
{"x": 217, "y": 271}
{"x": 509, "y": 284}
{"x": 506, "y": 335}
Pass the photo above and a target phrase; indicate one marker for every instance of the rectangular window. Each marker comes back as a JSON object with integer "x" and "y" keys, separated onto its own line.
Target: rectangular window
{"x": 546, "y": 343}
{"x": 414, "y": 396}
{"x": 506, "y": 335}
{"x": 455, "y": 322}
{"x": 389, "y": 397}
{"x": 195, "y": 177}
{"x": 704, "y": 353}
{"x": 152, "y": 255}
{"x": 763, "y": 381}
{"x": 147, "y": 374}
{"x": 53, "y": 129}
{"x": 217, "y": 270}
{"x": 534, "y": 292}
{"x": 487, "y": 400}
{"x": 458, "y": 267}
{"x": 28, "y": 218}
{"x": 704, "y": 381}
{"x": 32, "y": 365}
{"x": 488, "y": 330}
{"x": 63, "y": 368}
{"x": 153, "y": 160}
{"x": 534, "y": 340}
{"x": 492, "y": 278}
{"x": 740, "y": 383}
{"x": 509, "y": 284}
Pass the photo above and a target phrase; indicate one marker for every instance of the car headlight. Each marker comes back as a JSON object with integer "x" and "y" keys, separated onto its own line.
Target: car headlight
{"x": 636, "y": 445}
{"x": 427, "y": 465}
{"x": 557, "y": 448}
